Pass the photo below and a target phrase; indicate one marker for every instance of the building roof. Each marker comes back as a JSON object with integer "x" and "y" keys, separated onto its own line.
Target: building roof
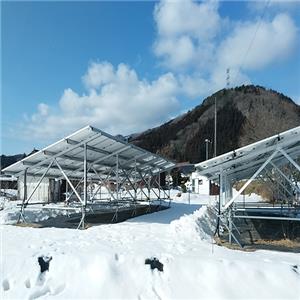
{"x": 102, "y": 150}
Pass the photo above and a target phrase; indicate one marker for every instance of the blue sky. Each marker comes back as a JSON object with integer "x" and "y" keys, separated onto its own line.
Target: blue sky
{"x": 125, "y": 67}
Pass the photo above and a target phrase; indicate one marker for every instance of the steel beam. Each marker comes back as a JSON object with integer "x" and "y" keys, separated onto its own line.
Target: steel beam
{"x": 239, "y": 159}
{"x": 70, "y": 183}
{"x": 284, "y": 176}
{"x": 288, "y": 157}
{"x": 251, "y": 179}
{"x": 266, "y": 218}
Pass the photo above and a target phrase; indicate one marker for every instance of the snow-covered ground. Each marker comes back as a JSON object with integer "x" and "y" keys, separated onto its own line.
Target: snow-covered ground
{"x": 108, "y": 261}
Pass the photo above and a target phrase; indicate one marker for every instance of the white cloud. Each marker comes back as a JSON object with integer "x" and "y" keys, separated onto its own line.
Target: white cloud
{"x": 179, "y": 51}
{"x": 274, "y": 41}
{"x": 185, "y": 30}
{"x": 194, "y": 41}
{"x": 98, "y": 74}
{"x": 199, "y": 20}
{"x": 274, "y": 5}
{"x": 42, "y": 111}
{"x": 117, "y": 101}
{"x": 196, "y": 47}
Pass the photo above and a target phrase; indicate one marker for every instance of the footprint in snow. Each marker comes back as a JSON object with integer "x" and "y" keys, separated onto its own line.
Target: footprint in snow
{"x": 27, "y": 283}
{"x": 39, "y": 293}
{"x": 5, "y": 285}
{"x": 156, "y": 293}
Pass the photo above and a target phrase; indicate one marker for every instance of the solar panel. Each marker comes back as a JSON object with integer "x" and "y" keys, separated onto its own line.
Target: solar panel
{"x": 102, "y": 150}
{"x": 243, "y": 162}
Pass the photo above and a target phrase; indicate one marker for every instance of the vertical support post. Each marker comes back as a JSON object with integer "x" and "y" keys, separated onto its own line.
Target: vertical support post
{"x": 215, "y": 135}
{"x": 148, "y": 186}
{"x": 159, "y": 188}
{"x": 225, "y": 194}
{"x": 149, "y": 189}
{"x": 25, "y": 185}
{"x": 66, "y": 191}
{"x": 21, "y": 215}
{"x": 219, "y": 204}
{"x": 84, "y": 185}
{"x": 230, "y": 225}
{"x": 221, "y": 198}
{"x": 117, "y": 183}
{"x": 135, "y": 183}
{"x": 117, "y": 175}
{"x": 100, "y": 183}
{"x": 169, "y": 196}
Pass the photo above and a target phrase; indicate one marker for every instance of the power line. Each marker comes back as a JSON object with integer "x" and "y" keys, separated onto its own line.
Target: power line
{"x": 253, "y": 39}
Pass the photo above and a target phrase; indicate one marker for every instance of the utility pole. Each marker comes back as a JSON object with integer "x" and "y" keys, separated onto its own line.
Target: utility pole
{"x": 206, "y": 147}
{"x": 215, "y": 135}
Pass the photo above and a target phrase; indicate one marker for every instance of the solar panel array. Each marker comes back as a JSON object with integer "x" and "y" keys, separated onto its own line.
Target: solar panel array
{"x": 102, "y": 150}
{"x": 244, "y": 162}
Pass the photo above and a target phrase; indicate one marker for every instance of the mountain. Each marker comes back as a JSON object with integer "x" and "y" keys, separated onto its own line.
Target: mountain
{"x": 7, "y": 160}
{"x": 245, "y": 114}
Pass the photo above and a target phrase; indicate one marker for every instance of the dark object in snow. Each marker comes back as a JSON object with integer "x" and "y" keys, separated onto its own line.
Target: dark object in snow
{"x": 154, "y": 264}
{"x": 295, "y": 269}
{"x": 44, "y": 262}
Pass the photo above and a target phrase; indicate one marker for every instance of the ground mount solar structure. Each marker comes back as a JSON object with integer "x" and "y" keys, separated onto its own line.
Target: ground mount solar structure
{"x": 88, "y": 160}
{"x": 275, "y": 161}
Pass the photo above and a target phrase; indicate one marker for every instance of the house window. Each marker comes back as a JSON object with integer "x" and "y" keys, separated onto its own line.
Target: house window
{"x": 200, "y": 182}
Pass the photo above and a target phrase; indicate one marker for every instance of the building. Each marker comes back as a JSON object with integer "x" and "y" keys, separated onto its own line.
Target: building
{"x": 199, "y": 184}
{"x": 8, "y": 182}
{"x": 49, "y": 190}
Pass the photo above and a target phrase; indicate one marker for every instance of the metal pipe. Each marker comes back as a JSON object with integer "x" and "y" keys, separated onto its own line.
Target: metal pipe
{"x": 290, "y": 159}
{"x": 267, "y": 218}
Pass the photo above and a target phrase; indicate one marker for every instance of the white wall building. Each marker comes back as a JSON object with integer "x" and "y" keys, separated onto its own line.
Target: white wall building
{"x": 199, "y": 184}
{"x": 48, "y": 190}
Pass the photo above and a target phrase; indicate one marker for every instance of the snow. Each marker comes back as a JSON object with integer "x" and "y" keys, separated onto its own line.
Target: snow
{"x": 247, "y": 198}
{"x": 108, "y": 261}
{"x": 9, "y": 213}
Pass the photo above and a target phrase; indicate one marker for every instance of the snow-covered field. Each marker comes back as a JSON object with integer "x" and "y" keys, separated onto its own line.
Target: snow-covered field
{"x": 108, "y": 261}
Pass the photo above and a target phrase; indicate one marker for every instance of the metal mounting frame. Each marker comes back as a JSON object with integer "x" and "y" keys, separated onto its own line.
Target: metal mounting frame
{"x": 92, "y": 157}
{"x": 262, "y": 159}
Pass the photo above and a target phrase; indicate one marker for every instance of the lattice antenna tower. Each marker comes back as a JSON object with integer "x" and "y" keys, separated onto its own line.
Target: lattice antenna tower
{"x": 227, "y": 78}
